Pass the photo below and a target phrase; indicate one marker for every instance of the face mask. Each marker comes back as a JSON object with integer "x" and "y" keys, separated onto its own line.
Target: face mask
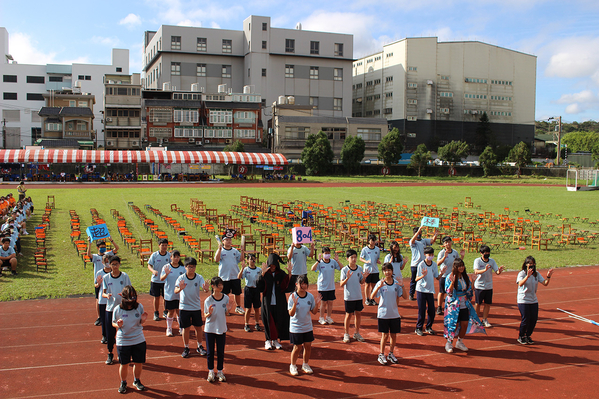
{"x": 419, "y": 237}
{"x": 102, "y": 250}
{"x": 486, "y": 256}
{"x": 428, "y": 257}
{"x": 326, "y": 256}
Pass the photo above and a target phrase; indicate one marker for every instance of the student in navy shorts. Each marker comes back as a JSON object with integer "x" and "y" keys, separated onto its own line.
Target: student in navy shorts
{"x": 251, "y": 294}
{"x": 301, "y": 335}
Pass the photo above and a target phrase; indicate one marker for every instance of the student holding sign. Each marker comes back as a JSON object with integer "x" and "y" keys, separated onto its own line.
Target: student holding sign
{"x": 298, "y": 255}
{"x": 99, "y": 265}
{"x": 417, "y": 245}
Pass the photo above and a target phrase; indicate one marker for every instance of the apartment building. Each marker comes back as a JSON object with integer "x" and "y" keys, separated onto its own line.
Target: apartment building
{"x": 313, "y": 67}
{"x": 435, "y": 92}
{"x": 122, "y": 112}
{"x": 23, "y": 87}
{"x": 69, "y": 114}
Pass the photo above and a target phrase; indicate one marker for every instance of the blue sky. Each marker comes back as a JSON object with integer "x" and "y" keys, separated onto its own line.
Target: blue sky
{"x": 563, "y": 35}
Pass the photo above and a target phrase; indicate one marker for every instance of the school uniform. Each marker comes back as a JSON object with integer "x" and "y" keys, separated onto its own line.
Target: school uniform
{"x": 251, "y": 294}
{"x": 425, "y": 293}
{"x": 190, "y": 304}
{"x": 228, "y": 270}
{"x": 326, "y": 279}
{"x": 389, "y": 320}
{"x": 447, "y": 264}
{"x": 113, "y": 285}
{"x": 171, "y": 300}
{"x": 299, "y": 265}
{"x": 528, "y": 304}
{"x": 396, "y": 267}
{"x": 417, "y": 249}
{"x": 372, "y": 255}
{"x": 352, "y": 290}
{"x": 483, "y": 284}
{"x": 102, "y": 301}
{"x": 130, "y": 340}
{"x": 300, "y": 324}
{"x": 158, "y": 261}
{"x": 215, "y": 330}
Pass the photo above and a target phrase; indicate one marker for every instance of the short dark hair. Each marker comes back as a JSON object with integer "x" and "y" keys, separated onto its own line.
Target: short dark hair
{"x": 326, "y": 249}
{"x": 115, "y": 258}
{"x": 484, "y": 248}
{"x": 163, "y": 241}
{"x": 5, "y": 239}
{"x": 350, "y": 252}
{"x": 372, "y": 237}
{"x": 387, "y": 266}
{"x": 176, "y": 253}
{"x": 100, "y": 243}
{"x": 429, "y": 250}
{"x": 190, "y": 261}
{"x": 446, "y": 239}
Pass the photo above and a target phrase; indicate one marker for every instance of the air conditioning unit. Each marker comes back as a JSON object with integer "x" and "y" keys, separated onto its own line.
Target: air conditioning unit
{"x": 108, "y": 119}
{"x": 165, "y": 140}
{"x": 199, "y": 142}
{"x": 429, "y": 82}
{"x": 135, "y": 143}
{"x": 258, "y": 139}
{"x": 207, "y": 141}
{"x": 474, "y": 112}
{"x": 228, "y": 141}
{"x": 429, "y": 111}
{"x": 110, "y": 143}
{"x": 191, "y": 141}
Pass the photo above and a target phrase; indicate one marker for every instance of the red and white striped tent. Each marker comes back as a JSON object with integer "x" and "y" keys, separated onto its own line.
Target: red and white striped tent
{"x": 159, "y": 157}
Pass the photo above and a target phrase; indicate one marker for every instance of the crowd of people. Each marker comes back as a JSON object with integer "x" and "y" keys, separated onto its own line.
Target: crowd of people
{"x": 13, "y": 215}
{"x": 281, "y": 303}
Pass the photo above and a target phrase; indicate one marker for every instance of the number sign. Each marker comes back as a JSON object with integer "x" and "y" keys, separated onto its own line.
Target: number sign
{"x": 301, "y": 235}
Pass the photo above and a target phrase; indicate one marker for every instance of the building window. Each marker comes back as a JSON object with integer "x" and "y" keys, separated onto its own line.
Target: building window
{"x": 10, "y": 96}
{"x": 289, "y": 71}
{"x": 412, "y": 118}
{"x": 389, "y": 94}
{"x": 35, "y": 97}
{"x": 10, "y": 78}
{"x": 412, "y": 101}
{"x": 339, "y": 49}
{"x": 82, "y": 104}
{"x": 55, "y": 78}
{"x": 245, "y": 133}
{"x": 358, "y": 85}
{"x": 369, "y": 83}
{"x": 314, "y": 47}
{"x": 186, "y": 116}
{"x": 72, "y": 103}
{"x": 377, "y": 96}
{"x": 475, "y": 80}
{"x": 412, "y": 85}
{"x": 377, "y": 112}
{"x": 264, "y": 44}
{"x": 201, "y": 69}
{"x": 175, "y": 68}
{"x": 220, "y": 116}
{"x": 337, "y": 104}
{"x": 87, "y": 77}
{"x": 36, "y": 79}
{"x": 313, "y": 72}
{"x": 244, "y": 117}
{"x": 119, "y": 69}
{"x": 445, "y": 94}
{"x": 388, "y": 55}
{"x": 369, "y": 134}
{"x": 202, "y": 45}
{"x": 389, "y": 79}
{"x": 81, "y": 77}
{"x": 175, "y": 42}
{"x": 377, "y": 81}
{"x": 248, "y": 72}
{"x": 263, "y": 72}
{"x": 226, "y": 71}
{"x": 387, "y": 111}
{"x": 289, "y": 45}
{"x": 337, "y": 74}
{"x": 444, "y": 77}
{"x": 314, "y": 101}
{"x": 227, "y": 46}
{"x": 444, "y": 110}
{"x": 296, "y": 132}
{"x": 368, "y": 98}
{"x": 264, "y": 25}
{"x": 413, "y": 69}
{"x": 368, "y": 113}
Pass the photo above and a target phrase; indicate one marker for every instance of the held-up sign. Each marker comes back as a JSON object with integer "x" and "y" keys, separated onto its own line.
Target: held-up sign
{"x": 97, "y": 232}
{"x": 301, "y": 235}
{"x": 430, "y": 222}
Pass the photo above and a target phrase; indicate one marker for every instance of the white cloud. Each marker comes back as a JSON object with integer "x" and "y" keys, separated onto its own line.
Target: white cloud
{"x": 131, "y": 21}
{"x": 106, "y": 41}
{"x": 574, "y": 57}
{"x": 24, "y": 50}
{"x": 579, "y": 102}
{"x": 187, "y": 13}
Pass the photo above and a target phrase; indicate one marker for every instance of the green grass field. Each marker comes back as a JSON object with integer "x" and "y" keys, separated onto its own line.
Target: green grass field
{"x": 66, "y": 275}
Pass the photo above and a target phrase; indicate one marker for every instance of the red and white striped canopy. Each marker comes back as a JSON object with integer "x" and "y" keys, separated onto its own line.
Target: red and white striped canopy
{"x": 160, "y": 157}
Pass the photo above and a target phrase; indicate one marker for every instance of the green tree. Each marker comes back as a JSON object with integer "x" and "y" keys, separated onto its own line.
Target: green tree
{"x": 390, "y": 148}
{"x": 420, "y": 158}
{"x": 582, "y": 141}
{"x": 352, "y": 153}
{"x": 488, "y": 160}
{"x": 236, "y": 146}
{"x": 520, "y": 154}
{"x": 484, "y": 133}
{"x": 453, "y": 152}
{"x": 317, "y": 154}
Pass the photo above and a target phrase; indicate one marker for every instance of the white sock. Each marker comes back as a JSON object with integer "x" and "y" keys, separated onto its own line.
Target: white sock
{"x": 169, "y": 323}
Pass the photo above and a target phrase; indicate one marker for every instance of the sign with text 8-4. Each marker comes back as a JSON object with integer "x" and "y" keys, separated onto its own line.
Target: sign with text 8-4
{"x": 301, "y": 235}
{"x": 97, "y": 232}
{"x": 430, "y": 222}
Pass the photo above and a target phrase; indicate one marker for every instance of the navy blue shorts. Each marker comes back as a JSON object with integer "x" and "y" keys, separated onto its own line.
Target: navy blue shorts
{"x": 372, "y": 278}
{"x": 98, "y": 290}
{"x": 156, "y": 289}
{"x": 251, "y": 298}
{"x": 464, "y": 315}
{"x": 170, "y": 305}
{"x": 327, "y": 295}
{"x": 190, "y": 318}
{"x": 442, "y": 285}
{"x": 392, "y": 326}
{"x": 232, "y": 286}
{"x": 354, "y": 306}
{"x": 484, "y": 296}
{"x": 129, "y": 353}
{"x": 300, "y": 338}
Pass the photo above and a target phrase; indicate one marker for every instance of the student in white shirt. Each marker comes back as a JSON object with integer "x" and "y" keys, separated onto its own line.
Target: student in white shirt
{"x": 251, "y": 294}
{"x": 426, "y": 275}
{"x": 170, "y": 273}
{"x": 370, "y": 256}
{"x": 156, "y": 262}
{"x": 325, "y": 266}
{"x": 228, "y": 259}
{"x": 484, "y": 267}
{"x": 215, "y": 310}
{"x": 445, "y": 262}
{"x": 351, "y": 279}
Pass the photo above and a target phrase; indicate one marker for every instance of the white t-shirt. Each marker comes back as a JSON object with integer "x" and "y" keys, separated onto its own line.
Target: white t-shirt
{"x": 190, "y": 295}
{"x": 448, "y": 264}
{"x": 228, "y": 266}
{"x": 527, "y": 293}
{"x": 217, "y": 322}
{"x": 352, "y": 290}
{"x": 326, "y": 275}
{"x": 97, "y": 262}
{"x": 251, "y": 276}
{"x": 426, "y": 284}
{"x": 388, "y": 295}
{"x": 170, "y": 282}
{"x": 301, "y": 321}
{"x": 372, "y": 255}
{"x": 484, "y": 281}
{"x": 396, "y": 267}
{"x": 417, "y": 249}
{"x": 299, "y": 260}
{"x": 101, "y": 299}
{"x": 157, "y": 262}
{"x": 131, "y": 333}
{"x": 114, "y": 286}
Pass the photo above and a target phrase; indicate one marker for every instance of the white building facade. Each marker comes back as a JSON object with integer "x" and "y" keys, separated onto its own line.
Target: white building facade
{"x": 313, "y": 67}
{"x": 436, "y": 92}
{"x": 23, "y": 86}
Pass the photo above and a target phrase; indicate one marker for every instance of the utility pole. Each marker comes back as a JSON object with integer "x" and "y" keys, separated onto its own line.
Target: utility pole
{"x": 4, "y": 134}
{"x": 559, "y": 140}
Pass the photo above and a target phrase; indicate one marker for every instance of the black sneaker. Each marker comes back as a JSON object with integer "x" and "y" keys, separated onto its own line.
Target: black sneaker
{"x": 164, "y": 314}
{"x": 110, "y": 360}
{"x": 529, "y": 341}
{"x": 104, "y": 340}
{"x": 247, "y": 328}
{"x": 185, "y": 353}
{"x": 13, "y": 272}
{"x": 439, "y": 310}
{"x": 429, "y": 331}
{"x": 412, "y": 298}
{"x": 201, "y": 350}
{"x": 138, "y": 385}
{"x": 257, "y": 327}
{"x": 522, "y": 341}
{"x": 123, "y": 387}
{"x": 156, "y": 316}
{"x": 98, "y": 322}
{"x": 419, "y": 332}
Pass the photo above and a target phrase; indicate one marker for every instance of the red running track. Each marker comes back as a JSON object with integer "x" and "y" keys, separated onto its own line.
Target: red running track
{"x": 50, "y": 348}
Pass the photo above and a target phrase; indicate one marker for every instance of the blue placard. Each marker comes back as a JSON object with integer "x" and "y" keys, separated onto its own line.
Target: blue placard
{"x": 430, "y": 222}
{"x": 97, "y": 232}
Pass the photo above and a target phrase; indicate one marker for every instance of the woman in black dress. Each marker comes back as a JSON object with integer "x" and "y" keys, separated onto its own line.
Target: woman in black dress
{"x": 275, "y": 316}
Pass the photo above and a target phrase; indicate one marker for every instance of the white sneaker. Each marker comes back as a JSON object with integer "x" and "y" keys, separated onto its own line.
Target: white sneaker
{"x": 239, "y": 310}
{"x": 391, "y": 357}
{"x": 293, "y": 369}
{"x": 211, "y": 376}
{"x": 169, "y": 332}
{"x": 382, "y": 359}
{"x": 448, "y": 347}
{"x": 329, "y": 320}
{"x": 486, "y": 323}
{"x": 307, "y": 369}
{"x": 358, "y": 337}
{"x": 345, "y": 338}
{"x": 268, "y": 345}
{"x": 460, "y": 345}
{"x": 278, "y": 345}
{"x": 321, "y": 320}
{"x": 221, "y": 377}
{"x": 25, "y": 233}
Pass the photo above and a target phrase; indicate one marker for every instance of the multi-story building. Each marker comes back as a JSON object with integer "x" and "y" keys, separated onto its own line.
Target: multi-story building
{"x": 202, "y": 119}
{"x": 293, "y": 123}
{"x": 69, "y": 114}
{"x": 435, "y": 92}
{"x": 122, "y": 112}
{"x": 23, "y": 87}
{"x": 314, "y": 67}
